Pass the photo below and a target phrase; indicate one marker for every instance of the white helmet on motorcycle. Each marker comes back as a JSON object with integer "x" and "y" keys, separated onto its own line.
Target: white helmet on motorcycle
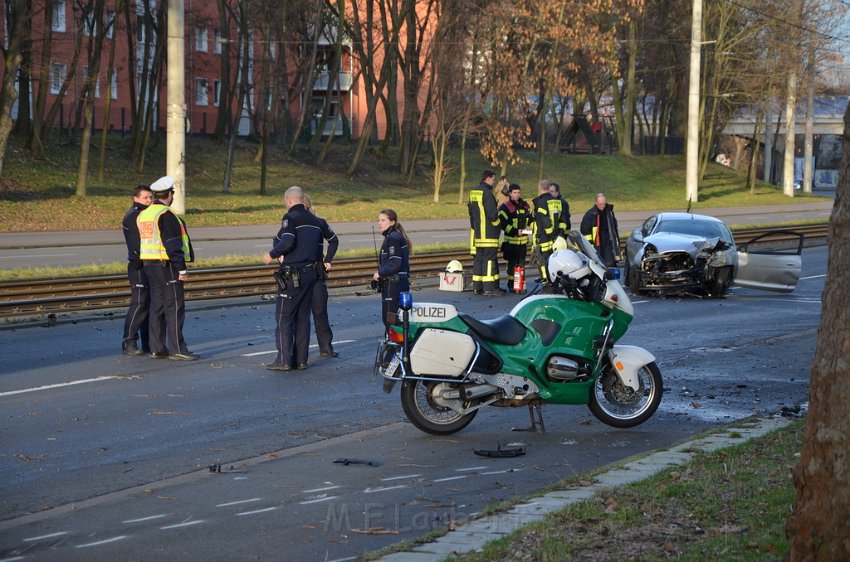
{"x": 568, "y": 263}
{"x": 454, "y": 267}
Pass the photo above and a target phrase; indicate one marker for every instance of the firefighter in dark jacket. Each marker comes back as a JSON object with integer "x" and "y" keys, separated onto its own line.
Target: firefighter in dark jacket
{"x": 484, "y": 221}
{"x": 136, "y": 321}
{"x": 393, "y": 275}
{"x": 514, "y": 215}
{"x": 599, "y": 226}
{"x": 165, "y": 249}
{"x": 297, "y": 247}
{"x": 546, "y": 227}
{"x": 564, "y": 225}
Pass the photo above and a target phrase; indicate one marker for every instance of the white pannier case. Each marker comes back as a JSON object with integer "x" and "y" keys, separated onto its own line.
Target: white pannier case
{"x": 441, "y": 352}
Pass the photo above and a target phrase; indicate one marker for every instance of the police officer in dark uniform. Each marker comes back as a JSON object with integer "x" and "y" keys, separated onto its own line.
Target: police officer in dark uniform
{"x": 299, "y": 244}
{"x": 136, "y": 322}
{"x": 319, "y": 304}
{"x": 393, "y": 275}
{"x": 484, "y": 221}
{"x": 514, "y": 215}
{"x": 165, "y": 249}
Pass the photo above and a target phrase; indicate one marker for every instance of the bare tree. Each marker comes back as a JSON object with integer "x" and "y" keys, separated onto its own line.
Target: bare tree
{"x": 96, "y": 31}
{"x": 17, "y": 15}
{"x": 817, "y": 528}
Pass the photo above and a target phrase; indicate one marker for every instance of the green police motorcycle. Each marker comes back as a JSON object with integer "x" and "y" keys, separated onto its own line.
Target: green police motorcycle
{"x": 557, "y": 347}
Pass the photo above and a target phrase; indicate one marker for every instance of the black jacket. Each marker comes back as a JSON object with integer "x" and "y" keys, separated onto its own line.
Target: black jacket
{"x": 299, "y": 238}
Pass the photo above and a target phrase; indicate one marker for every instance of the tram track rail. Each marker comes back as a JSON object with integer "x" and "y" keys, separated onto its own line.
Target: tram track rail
{"x": 37, "y": 297}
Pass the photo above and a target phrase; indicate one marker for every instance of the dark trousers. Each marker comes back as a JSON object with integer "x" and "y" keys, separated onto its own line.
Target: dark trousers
{"x": 606, "y": 252}
{"x": 168, "y": 310}
{"x": 136, "y": 321}
{"x": 319, "y": 305}
{"x": 390, "y": 291}
{"x": 485, "y": 269}
{"x": 292, "y": 312}
{"x": 543, "y": 266}
{"x": 515, "y": 256}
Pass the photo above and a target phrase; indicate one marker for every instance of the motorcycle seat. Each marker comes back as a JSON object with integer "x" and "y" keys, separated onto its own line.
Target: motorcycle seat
{"x": 505, "y": 329}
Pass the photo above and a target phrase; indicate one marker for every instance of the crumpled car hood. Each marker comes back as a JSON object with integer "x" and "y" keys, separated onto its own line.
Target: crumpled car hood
{"x": 668, "y": 242}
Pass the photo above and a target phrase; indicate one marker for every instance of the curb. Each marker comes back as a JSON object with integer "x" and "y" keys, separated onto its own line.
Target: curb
{"x": 474, "y": 535}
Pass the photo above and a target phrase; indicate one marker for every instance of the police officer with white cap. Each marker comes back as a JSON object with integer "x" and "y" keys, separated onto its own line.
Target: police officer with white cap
{"x": 165, "y": 250}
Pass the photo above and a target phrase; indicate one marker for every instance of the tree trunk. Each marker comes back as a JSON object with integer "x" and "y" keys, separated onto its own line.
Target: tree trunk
{"x": 94, "y": 51}
{"x": 12, "y": 58}
{"x": 23, "y": 122}
{"x": 788, "y": 153}
{"x": 34, "y": 143}
{"x": 223, "y": 114}
{"x": 817, "y": 528}
{"x": 110, "y": 69}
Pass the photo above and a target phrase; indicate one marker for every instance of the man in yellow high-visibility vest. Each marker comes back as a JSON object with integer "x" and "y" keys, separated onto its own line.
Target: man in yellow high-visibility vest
{"x": 165, "y": 250}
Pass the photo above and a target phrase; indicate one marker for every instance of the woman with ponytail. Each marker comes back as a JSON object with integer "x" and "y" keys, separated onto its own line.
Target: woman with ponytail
{"x": 393, "y": 275}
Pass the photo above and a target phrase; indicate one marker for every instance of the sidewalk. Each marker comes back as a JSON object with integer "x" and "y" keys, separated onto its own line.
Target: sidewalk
{"x": 474, "y": 535}
{"x": 627, "y": 219}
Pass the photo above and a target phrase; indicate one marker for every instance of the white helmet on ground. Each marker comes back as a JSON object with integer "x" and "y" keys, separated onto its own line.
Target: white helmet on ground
{"x": 568, "y": 263}
{"x": 454, "y": 267}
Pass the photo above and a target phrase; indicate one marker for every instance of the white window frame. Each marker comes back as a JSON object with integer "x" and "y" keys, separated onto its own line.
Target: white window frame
{"x": 218, "y": 40}
{"x": 96, "y": 81}
{"x": 58, "y": 23}
{"x": 110, "y": 23}
{"x": 58, "y": 72}
{"x": 113, "y": 86}
{"x": 201, "y": 92}
{"x": 201, "y": 39}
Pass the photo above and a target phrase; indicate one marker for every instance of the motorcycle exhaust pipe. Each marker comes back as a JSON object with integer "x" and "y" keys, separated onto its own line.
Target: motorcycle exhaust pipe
{"x": 479, "y": 390}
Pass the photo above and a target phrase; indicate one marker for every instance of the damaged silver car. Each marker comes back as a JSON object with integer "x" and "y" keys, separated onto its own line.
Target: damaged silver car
{"x": 686, "y": 253}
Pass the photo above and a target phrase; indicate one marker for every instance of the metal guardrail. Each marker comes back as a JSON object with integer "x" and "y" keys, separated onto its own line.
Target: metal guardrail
{"x": 77, "y": 294}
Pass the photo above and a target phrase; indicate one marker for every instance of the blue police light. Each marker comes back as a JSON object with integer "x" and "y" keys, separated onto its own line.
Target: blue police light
{"x": 405, "y": 300}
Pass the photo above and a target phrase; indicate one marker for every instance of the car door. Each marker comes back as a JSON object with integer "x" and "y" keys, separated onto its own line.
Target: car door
{"x": 771, "y": 261}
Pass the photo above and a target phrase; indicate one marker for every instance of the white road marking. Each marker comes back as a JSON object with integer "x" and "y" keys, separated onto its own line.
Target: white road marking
{"x": 141, "y": 519}
{"x": 318, "y": 500}
{"x": 186, "y": 524}
{"x": 98, "y": 543}
{"x": 406, "y": 476}
{"x": 325, "y": 489}
{"x": 16, "y": 558}
{"x": 256, "y": 353}
{"x": 470, "y": 469}
{"x": 500, "y": 471}
{"x": 812, "y": 277}
{"x": 344, "y": 559}
{"x": 42, "y": 537}
{"x": 450, "y": 478}
{"x": 238, "y": 502}
{"x": 384, "y": 489}
{"x": 58, "y": 385}
{"x": 38, "y": 256}
{"x": 256, "y": 511}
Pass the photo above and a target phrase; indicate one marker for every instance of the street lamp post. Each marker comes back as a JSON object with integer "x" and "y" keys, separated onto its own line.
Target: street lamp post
{"x": 692, "y": 148}
{"x": 175, "y": 126}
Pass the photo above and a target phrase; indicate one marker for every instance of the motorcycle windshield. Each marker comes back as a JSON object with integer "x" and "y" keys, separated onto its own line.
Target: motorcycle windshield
{"x": 585, "y": 247}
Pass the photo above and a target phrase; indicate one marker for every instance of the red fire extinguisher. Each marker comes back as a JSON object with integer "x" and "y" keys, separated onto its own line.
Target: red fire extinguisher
{"x": 519, "y": 279}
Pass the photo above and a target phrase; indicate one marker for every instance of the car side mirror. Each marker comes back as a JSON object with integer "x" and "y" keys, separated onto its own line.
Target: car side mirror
{"x": 637, "y": 235}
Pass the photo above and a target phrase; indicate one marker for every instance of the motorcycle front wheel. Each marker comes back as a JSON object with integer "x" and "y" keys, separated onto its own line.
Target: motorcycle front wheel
{"x": 617, "y": 405}
{"x": 426, "y": 407}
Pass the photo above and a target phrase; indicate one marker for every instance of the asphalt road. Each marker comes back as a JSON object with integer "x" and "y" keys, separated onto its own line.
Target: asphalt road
{"x": 66, "y": 249}
{"x": 106, "y": 457}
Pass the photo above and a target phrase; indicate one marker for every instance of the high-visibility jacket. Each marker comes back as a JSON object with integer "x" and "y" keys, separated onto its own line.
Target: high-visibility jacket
{"x": 547, "y": 217}
{"x": 483, "y": 217}
{"x": 513, "y": 218}
{"x": 152, "y": 247}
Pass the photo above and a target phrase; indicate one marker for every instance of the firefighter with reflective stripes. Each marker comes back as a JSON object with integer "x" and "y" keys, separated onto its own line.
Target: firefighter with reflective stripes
{"x": 165, "y": 249}
{"x": 546, "y": 226}
{"x": 484, "y": 221}
{"x": 514, "y": 215}
{"x": 599, "y": 226}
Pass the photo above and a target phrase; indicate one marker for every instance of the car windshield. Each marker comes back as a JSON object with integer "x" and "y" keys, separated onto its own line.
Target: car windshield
{"x": 705, "y": 229}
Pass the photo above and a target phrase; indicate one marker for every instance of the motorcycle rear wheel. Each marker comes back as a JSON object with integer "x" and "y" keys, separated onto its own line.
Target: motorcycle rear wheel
{"x": 617, "y": 405}
{"x": 422, "y": 405}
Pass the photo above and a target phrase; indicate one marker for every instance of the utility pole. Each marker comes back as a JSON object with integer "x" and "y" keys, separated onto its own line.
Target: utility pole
{"x": 175, "y": 120}
{"x": 692, "y": 147}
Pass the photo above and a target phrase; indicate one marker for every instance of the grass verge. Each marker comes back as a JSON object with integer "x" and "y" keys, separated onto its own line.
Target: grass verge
{"x": 728, "y": 505}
